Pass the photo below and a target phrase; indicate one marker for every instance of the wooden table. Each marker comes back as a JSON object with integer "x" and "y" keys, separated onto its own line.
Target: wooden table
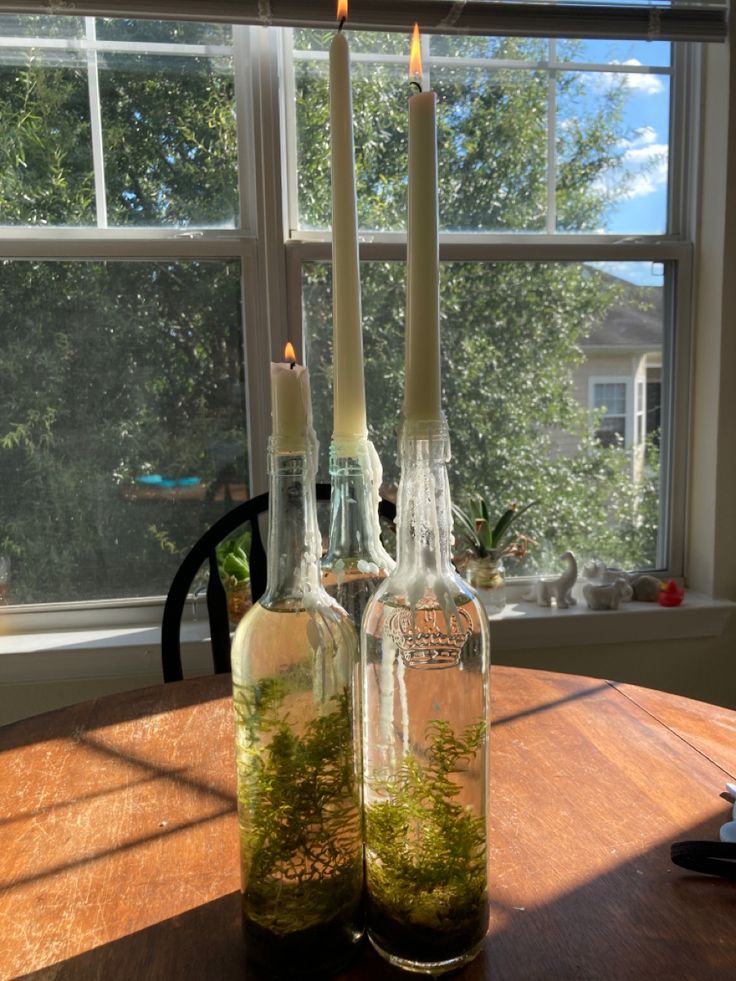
{"x": 118, "y": 840}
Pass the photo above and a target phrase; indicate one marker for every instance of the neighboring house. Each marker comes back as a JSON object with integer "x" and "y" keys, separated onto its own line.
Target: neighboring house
{"x": 622, "y": 375}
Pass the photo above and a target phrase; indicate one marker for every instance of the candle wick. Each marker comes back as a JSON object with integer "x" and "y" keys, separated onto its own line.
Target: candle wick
{"x": 341, "y": 24}
{"x": 417, "y": 85}
{"x": 292, "y": 364}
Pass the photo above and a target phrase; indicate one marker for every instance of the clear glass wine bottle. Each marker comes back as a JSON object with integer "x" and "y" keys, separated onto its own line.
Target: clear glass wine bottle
{"x": 425, "y": 732}
{"x": 356, "y": 561}
{"x": 295, "y": 662}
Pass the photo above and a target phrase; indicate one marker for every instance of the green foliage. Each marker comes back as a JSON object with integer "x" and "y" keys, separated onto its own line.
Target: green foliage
{"x": 170, "y": 142}
{"x": 232, "y": 560}
{"x": 512, "y": 335}
{"x": 162, "y": 537}
{"x": 425, "y": 851}
{"x": 299, "y": 809}
{"x": 46, "y": 171}
{"x": 480, "y": 536}
{"x": 111, "y": 370}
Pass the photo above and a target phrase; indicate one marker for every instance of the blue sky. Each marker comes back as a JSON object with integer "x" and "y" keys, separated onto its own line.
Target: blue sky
{"x": 643, "y": 210}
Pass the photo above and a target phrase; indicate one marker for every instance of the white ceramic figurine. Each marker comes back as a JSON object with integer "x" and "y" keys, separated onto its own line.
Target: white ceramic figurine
{"x": 559, "y": 589}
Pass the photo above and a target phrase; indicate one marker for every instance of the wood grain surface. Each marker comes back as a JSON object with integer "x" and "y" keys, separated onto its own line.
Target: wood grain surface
{"x": 118, "y": 837}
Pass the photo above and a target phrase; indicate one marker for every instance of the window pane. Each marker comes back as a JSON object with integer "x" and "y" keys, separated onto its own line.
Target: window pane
{"x": 122, "y": 421}
{"x": 455, "y": 46}
{"x": 380, "y": 121}
{"x": 168, "y": 128}
{"x": 40, "y": 25}
{"x": 610, "y": 396}
{"x": 521, "y": 342}
{"x": 162, "y": 31}
{"x": 611, "y": 429}
{"x": 46, "y": 172}
{"x": 620, "y": 52}
{"x": 168, "y": 133}
{"x": 613, "y": 148}
{"x": 611, "y": 139}
{"x": 373, "y": 42}
{"x": 492, "y": 169}
{"x": 477, "y": 108}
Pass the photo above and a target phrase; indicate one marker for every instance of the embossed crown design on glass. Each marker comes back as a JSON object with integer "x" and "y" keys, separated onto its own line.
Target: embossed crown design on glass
{"x": 421, "y": 640}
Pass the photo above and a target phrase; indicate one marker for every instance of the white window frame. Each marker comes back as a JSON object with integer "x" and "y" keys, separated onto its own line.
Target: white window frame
{"x": 271, "y": 250}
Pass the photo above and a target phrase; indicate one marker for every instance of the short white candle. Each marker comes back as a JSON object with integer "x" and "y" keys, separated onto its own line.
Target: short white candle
{"x": 349, "y": 384}
{"x": 422, "y": 394}
{"x": 291, "y": 405}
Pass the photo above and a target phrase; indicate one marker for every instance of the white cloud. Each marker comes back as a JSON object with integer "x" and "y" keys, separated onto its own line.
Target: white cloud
{"x": 642, "y": 166}
{"x": 640, "y": 185}
{"x": 646, "y": 134}
{"x": 652, "y": 153}
{"x": 645, "y": 83}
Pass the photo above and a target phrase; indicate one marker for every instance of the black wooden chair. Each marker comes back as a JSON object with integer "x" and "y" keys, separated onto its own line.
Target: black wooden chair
{"x": 204, "y": 551}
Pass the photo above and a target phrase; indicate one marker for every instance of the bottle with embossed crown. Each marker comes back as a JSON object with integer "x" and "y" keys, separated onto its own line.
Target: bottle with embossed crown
{"x": 425, "y": 653}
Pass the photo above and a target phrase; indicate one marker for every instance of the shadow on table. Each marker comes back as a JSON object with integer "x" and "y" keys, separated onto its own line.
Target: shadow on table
{"x": 550, "y": 704}
{"x": 116, "y": 709}
{"x": 204, "y": 943}
{"x": 71, "y": 721}
{"x": 642, "y": 919}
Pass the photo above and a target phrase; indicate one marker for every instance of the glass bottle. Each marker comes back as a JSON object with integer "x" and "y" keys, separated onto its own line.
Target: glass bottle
{"x": 425, "y": 732}
{"x": 296, "y": 689}
{"x": 356, "y": 561}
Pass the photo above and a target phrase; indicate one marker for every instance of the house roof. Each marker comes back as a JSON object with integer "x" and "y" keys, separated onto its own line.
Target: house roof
{"x": 633, "y": 322}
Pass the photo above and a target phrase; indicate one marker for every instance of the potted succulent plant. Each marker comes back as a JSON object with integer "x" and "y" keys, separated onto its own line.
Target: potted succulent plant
{"x": 234, "y": 569}
{"x": 482, "y": 545}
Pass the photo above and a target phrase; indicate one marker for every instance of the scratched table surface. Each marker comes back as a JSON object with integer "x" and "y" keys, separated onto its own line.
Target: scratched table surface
{"x": 119, "y": 851}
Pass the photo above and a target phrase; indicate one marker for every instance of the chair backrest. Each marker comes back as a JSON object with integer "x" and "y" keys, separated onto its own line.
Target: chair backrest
{"x": 204, "y": 550}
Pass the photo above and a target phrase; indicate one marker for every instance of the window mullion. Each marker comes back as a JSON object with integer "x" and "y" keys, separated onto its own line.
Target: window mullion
{"x": 244, "y": 126}
{"x": 267, "y": 304}
{"x": 684, "y": 140}
{"x": 288, "y": 115}
{"x": 551, "y": 143}
{"x": 95, "y": 120}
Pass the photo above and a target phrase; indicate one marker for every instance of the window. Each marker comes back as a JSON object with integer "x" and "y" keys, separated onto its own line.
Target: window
{"x": 610, "y": 400}
{"x": 560, "y": 258}
{"x": 122, "y": 383}
{"x": 148, "y": 276}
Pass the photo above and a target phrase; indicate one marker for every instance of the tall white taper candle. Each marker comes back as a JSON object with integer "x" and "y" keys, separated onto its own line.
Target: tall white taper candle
{"x": 349, "y": 383}
{"x": 422, "y": 394}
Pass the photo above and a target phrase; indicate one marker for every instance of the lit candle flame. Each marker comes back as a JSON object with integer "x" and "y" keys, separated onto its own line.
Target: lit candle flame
{"x": 289, "y": 352}
{"x": 342, "y": 10}
{"x": 415, "y": 57}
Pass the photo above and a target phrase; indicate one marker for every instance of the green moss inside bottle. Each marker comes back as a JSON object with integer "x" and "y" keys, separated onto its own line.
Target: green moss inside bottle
{"x": 426, "y": 861}
{"x": 300, "y": 828}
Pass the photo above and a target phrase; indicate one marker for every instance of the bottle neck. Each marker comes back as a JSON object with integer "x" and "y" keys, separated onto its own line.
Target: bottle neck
{"x": 354, "y": 526}
{"x": 424, "y": 509}
{"x": 294, "y": 541}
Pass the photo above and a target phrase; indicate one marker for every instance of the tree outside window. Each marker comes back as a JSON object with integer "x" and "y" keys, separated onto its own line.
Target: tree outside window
{"x": 122, "y": 383}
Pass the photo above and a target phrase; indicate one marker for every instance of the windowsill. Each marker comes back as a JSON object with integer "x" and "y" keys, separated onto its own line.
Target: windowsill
{"x": 526, "y": 625}
{"x": 134, "y": 651}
